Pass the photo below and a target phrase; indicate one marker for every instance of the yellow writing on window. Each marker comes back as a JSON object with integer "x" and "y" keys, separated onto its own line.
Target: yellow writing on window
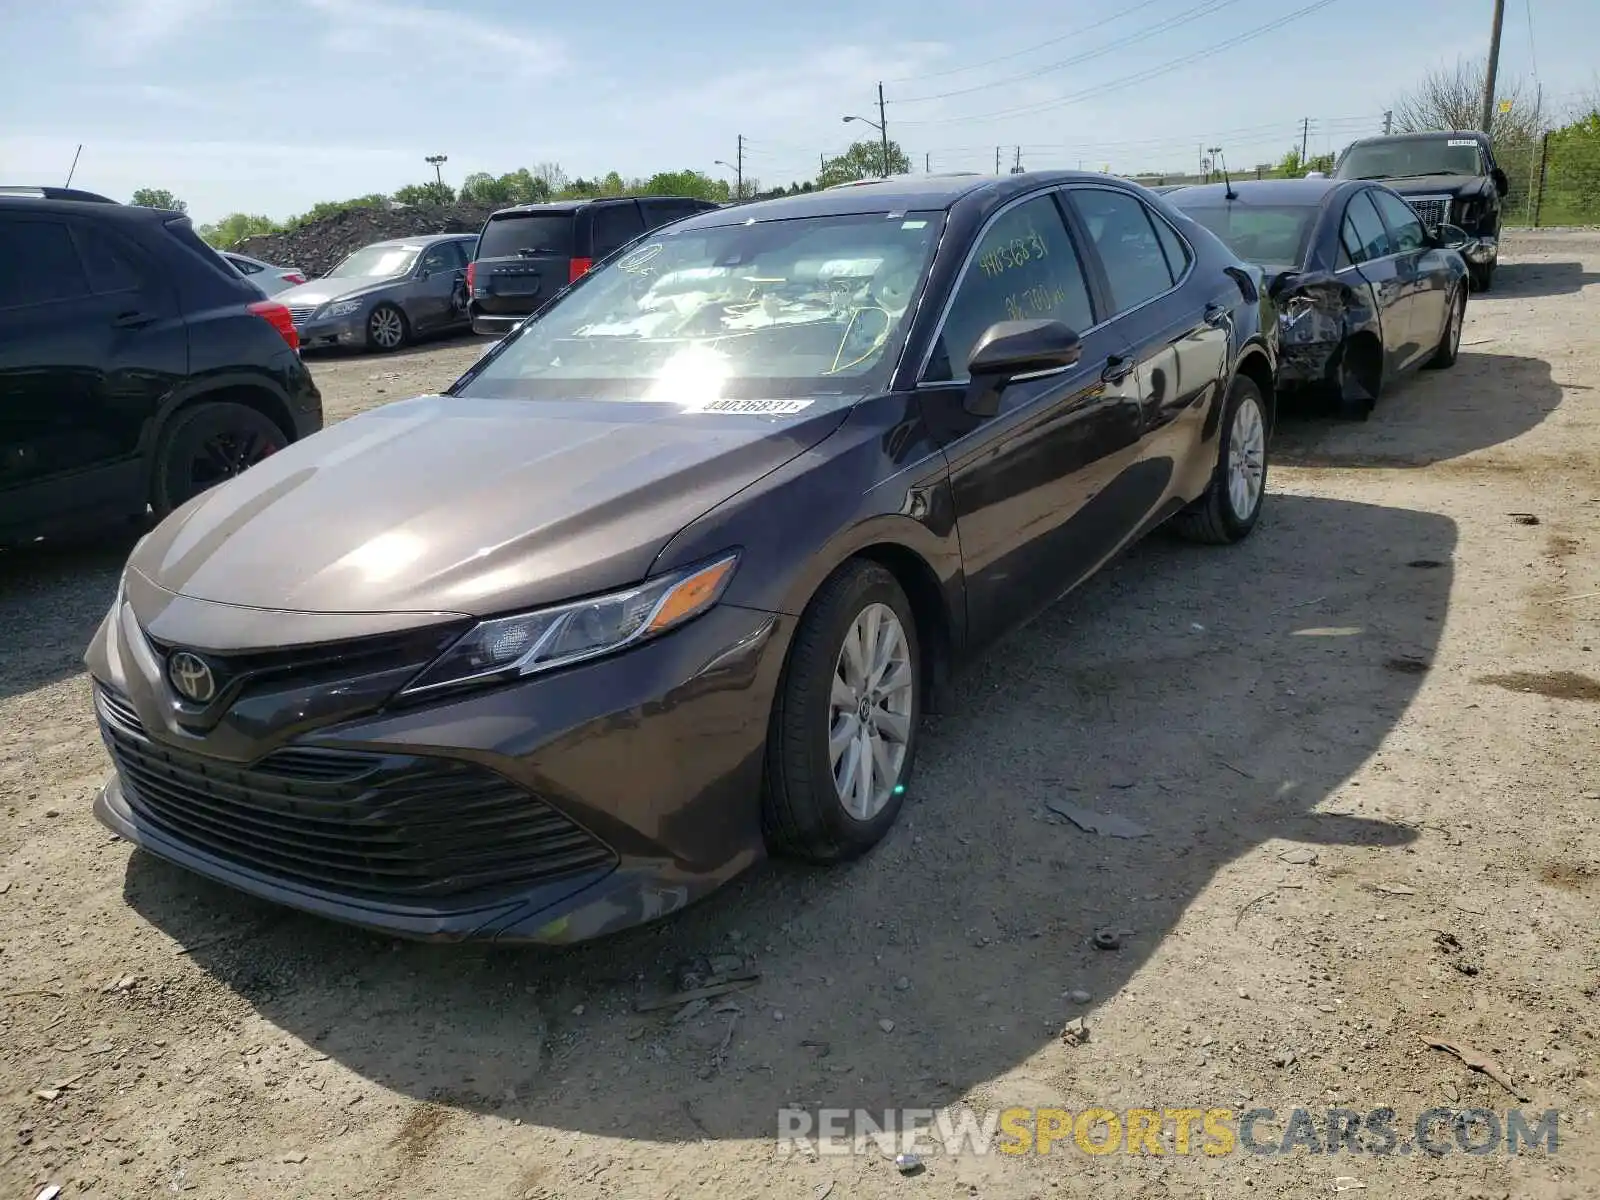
{"x": 1017, "y": 252}
{"x": 1037, "y": 301}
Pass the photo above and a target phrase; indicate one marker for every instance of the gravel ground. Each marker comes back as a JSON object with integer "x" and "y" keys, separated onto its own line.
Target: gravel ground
{"x": 1363, "y": 744}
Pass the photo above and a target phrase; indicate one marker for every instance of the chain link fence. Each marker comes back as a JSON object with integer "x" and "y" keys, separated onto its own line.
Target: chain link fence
{"x": 1558, "y": 183}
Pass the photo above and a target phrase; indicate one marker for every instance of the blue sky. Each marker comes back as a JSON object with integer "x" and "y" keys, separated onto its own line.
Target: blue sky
{"x": 240, "y": 105}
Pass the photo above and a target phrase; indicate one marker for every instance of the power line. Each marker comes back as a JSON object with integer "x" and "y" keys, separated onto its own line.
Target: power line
{"x": 1533, "y": 54}
{"x": 1183, "y": 18}
{"x": 1142, "y": 76}
{"x": 989, "y": 62}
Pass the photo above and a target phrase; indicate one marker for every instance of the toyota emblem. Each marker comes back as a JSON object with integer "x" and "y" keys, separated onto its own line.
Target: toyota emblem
{"x": 191, "y": 677}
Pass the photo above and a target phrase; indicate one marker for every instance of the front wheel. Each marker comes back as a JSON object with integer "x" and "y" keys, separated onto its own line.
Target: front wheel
{"x": 1230, "y": 506}
{"x": 1450, "y": 339}
{"x": 387, "y": 329}
{"x": 843, "y": 733}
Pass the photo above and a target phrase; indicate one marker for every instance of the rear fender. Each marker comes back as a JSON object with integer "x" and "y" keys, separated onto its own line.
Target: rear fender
{"x": 1318, "y": 315}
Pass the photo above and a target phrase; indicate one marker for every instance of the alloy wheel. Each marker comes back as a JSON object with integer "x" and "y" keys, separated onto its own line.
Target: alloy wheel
{"x": 870, "y": 710}
{"x": 1458, "y": 313}
{"x": 227, "y": 454}
{"x": 1247, "y": 458}
{"x": 387, "y": 328}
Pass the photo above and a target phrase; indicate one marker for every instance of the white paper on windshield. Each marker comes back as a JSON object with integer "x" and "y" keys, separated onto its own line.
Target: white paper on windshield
{"x": 1461, "y": 142}
{"x": 757, "y": 408}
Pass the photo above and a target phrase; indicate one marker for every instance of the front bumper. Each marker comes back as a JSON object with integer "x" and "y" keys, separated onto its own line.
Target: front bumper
{"x": 551, "y": 810}
{"x": 333, "y": 331}
{"x": 1482, "y": 251}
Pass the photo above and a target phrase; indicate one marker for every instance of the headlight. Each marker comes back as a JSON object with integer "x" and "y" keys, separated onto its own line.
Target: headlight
{"x": 341, "y": 308}
{"x": 511, "y": 647}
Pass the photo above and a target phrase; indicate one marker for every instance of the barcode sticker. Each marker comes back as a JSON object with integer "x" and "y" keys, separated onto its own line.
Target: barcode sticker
{"x": 1461, "y": 142}
{"x": 764, "y": 408}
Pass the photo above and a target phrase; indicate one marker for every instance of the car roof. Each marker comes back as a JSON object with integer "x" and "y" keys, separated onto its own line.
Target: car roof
{"x": 29, "y": 198}
{"x": 1429, "y": 135}
{"x": 1307, "y": 192}
{"x": 569, "y": 206}
{"x": 422, "y": 240}
{"x": 897, "y": 193}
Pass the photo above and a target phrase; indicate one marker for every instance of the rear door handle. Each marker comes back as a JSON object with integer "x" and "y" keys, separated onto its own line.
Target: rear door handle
{"x": 132, "y": 320}
{"x": 1117, "y": 369}
{"x": 1216, "y": 313}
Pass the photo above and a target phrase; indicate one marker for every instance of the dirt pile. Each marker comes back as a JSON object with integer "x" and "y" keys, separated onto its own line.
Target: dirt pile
{"x": 316, "y": 246}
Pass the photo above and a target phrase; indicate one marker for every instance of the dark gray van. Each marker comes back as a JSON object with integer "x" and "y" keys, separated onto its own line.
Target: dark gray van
{"x": 529, "y": 253}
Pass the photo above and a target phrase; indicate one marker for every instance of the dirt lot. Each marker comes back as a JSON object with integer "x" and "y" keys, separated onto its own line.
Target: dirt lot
{"x": 1365, "y": 745}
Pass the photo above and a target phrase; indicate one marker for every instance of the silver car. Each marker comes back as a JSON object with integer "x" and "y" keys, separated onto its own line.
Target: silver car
{"x": 385, "y": 294}
{"x": 270, "y": 279}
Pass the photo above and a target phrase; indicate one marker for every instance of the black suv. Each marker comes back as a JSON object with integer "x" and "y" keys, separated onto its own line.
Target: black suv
{"x": 137, "y": 368}
{"x": 529, "y": 253}
{"x": 1449, "y": 177}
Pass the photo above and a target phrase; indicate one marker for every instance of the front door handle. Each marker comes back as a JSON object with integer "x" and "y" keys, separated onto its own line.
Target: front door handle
{"x": 1117, "y": 369}
{"x": 132, "y": 320}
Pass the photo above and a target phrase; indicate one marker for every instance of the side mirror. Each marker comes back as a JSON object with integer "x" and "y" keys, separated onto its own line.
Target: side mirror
{"x": 1008, "y": 349}
{"x": 1501, "y": 183}
{"x": 1451, "y": 237}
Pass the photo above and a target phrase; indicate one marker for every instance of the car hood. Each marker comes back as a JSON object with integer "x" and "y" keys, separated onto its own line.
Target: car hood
{"x": 471, "y": 506}
{"x": 1426, "y": 185}
{"x": 321, "y": 291}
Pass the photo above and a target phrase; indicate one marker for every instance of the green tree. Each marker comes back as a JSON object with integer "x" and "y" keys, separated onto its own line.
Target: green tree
{"x": 426, "y": 193}
{"x": 1290, "y": 166}
{"x": 483, "y": 188}
{"x": 688, "y": 183}
{"x": 158, "y": 198}
{"x": 235, "y": 227}
{"x": 1571, "y": 193}
{"x": 524, "y": 187}
{"x": 864, "y": 160}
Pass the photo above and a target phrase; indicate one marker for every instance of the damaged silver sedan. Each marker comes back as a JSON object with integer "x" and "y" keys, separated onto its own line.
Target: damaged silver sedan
{"x": 1364, "y": 290}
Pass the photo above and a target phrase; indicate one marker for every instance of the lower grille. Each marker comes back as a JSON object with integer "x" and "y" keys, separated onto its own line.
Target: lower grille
{"x": 301, "y": 313}
{"x": 1434, "y": 210}
{"x": 381, "y": 827}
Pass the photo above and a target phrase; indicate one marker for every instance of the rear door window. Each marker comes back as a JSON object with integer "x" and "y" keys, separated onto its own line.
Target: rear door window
{"x": 1119, "y": 225}
{"x": 1365, "y": 237}
{"x": 615, "y": 225}
{"x": 511, "y": 234}
{"x": 39, "y": 264}
{"x": 112, "y": 266}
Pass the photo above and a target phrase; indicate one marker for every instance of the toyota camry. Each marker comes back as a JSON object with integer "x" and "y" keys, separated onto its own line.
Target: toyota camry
{"x": 668, "y": 579}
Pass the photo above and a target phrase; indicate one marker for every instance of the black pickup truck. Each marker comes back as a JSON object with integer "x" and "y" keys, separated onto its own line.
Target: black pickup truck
{"x": 1449, "y": 177}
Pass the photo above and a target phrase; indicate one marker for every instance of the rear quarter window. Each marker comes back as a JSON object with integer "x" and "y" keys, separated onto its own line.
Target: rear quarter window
{"x": 510, "y": 234}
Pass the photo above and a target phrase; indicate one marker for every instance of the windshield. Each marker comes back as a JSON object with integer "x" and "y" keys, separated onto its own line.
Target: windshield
{"x": 776, "y": 309}
{"x": 376, "y": 262}
{"x": 511, "y": 234}
{"x": 1420, "y": 156}
{"x": 1266, "y": 234}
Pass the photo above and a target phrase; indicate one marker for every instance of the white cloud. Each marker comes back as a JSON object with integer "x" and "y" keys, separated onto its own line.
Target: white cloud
{"x": 124, "y": 32}
{"x": 366, "y": 26}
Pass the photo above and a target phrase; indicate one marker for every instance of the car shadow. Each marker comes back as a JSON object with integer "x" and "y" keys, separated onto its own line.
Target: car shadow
{"x": 1522, "y": 280}
{"x": 53, "y": 595}
{"x": 1220, "y": 698}
{"x": 1425, "y": 418}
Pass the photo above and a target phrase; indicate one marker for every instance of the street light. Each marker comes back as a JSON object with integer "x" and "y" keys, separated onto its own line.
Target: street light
{"x": 738, "y": 189}
{"x": 883, "y": 134}
{"x": 435, "y": 161}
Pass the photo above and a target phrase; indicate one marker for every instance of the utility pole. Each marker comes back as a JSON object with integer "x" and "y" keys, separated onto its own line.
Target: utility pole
{"x": 1305, "y": 138}
{"x": 1200, "y": 153}
{"x": 1388, "y": 122}
{"x": 435, "y": 160}
{"x": 1016, "y": 168}
{"x": 997, "y": 160}
{"x": 927, "y": 164}
{"x": 883, "y": 132}
{"x": 738, "y": 171}
{"x": 1494, "y": 65}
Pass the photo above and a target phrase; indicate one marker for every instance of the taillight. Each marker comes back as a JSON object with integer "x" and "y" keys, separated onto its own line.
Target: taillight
{"x": 294, "y": 277}
{"x": 472, "y": 274}
{"x": 278, "y": 317}
{"x": 580, "y": 268}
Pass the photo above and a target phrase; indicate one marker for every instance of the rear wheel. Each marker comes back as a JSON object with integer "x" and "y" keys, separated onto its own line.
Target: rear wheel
{"x": 844, "y": 727}
{"x": 1450, "y": 340}
{"x": 1231, "y": 505}
{"x": 207, "y": 445}
{"x": 387, "y": 328}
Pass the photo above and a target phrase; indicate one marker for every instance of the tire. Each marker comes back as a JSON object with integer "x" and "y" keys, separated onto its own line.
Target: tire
{"x": 1450, "y": 339}
{"x": 387, "y": 329}
{"x": 804, "y": 813}
{"x": 207, "y": 445}
{"x": 1482, "y": 277}
{"x": 1214, "y": 518}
